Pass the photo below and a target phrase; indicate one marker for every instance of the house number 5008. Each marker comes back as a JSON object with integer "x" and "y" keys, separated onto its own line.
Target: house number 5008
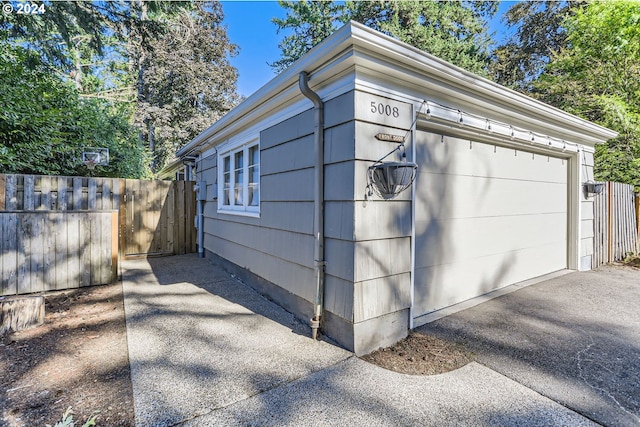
{"x": 384, "y": 109}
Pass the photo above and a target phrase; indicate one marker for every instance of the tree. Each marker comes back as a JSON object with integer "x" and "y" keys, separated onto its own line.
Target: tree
{"x": 455, "y": 31}
{"x": 45, "y": 125}
{"x": 597, "y": 76}
{"x": 188, "y": 81}
{"x": 166, "y": 64}
{"x": 539, "y": 35}
{"x": 311, "y": 22}
{"x": 452, "y": 30}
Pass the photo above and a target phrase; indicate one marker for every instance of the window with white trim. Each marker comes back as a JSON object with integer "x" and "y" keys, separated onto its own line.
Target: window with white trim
{"x": 239, "y": 175}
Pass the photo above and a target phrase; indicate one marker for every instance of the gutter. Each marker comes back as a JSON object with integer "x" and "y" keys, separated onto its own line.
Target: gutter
{"x": 318, "y": 205}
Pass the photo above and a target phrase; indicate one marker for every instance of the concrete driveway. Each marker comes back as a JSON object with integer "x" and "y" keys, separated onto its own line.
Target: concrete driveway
{"x": 207, "y": 350}
{"x": 574, "y": 339}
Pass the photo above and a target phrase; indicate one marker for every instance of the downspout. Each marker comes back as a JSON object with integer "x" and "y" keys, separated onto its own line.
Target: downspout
{"x": 201, "y": 197}
{"x": 318, "y": 205}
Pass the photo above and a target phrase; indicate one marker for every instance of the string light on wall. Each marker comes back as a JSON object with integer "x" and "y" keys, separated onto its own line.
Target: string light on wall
{"x": 439, "y": 112}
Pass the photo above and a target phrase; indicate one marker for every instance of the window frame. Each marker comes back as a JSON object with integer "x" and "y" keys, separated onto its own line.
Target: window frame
{"x": 231, "y": 152}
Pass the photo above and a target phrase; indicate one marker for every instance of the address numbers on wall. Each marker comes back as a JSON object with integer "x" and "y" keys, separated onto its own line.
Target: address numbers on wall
{"x": 383, "y": 111}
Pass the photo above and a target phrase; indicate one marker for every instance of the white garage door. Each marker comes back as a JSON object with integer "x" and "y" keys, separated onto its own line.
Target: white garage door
{"x": 486, "y": 217}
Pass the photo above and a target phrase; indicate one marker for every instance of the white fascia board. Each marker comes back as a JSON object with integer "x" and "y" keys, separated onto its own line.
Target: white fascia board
{"x": 325, "y": 60}
{"x": 404, "y": 62}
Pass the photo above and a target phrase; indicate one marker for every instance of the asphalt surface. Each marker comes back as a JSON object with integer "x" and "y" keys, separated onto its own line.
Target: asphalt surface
{"x": 574, "y": 339}
{"x": 207, "y": 350}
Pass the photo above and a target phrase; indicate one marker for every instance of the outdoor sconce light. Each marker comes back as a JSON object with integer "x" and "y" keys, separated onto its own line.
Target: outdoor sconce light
{"x": 592, "y": 188}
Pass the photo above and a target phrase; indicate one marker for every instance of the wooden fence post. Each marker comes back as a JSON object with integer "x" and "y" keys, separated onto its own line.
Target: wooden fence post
{"x": 3, "y": 183}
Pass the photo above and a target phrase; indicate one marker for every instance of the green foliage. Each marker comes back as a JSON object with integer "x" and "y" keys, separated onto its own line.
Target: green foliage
{"x": 452, "y": 30}
{"x": 186, "y": 81}
{"x": 44, "y": 124}
{"x": 311, "y": 22}
{"x": 121, "y": 75}
{"x": 67, "y": 420}
{"x": 539, "y": 34}
{"x": 598, "y": 77}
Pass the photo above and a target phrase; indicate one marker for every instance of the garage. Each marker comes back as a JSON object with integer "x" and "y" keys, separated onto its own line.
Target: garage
{"x": 498, "y": 197}
{"x": 486, "y": 216}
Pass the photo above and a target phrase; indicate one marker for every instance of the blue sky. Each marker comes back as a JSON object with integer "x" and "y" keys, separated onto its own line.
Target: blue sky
{"x": 249, "y": 26}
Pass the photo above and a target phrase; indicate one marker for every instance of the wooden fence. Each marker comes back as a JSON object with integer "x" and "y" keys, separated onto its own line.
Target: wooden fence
{"x": 155, "y": 217}
{"x": 615, "y": 224}
{"x": 49, "y": 250}
{"x": 61, "y": 232}
{"x": 58, "y": 193}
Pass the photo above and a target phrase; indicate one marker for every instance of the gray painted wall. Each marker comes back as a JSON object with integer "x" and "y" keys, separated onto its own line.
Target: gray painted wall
{"x": 278, "y": 246}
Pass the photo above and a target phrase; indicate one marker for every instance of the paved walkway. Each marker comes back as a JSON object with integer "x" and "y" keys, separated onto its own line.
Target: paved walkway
{"x": 206, "y": 350}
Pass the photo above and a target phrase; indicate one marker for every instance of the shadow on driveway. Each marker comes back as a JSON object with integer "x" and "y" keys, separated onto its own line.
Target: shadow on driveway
{"x": 574, "y": 339}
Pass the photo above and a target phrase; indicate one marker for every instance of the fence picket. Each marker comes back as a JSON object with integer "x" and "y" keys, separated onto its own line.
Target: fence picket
{"x": 9, "y": 261}
{"x": 615, "y": 224}
{"x": 76, "y": 202}
{"x": 29, "y": 189}
{"x": 3, "y": 185}
{"x": 45, "y": 193}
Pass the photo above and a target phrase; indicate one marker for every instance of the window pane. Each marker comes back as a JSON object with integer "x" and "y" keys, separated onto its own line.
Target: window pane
{"x": 239, "y": 162}
{"x": 227, "y": 163}
{"x": 254, "y": 155}
{"x": 254, "y": 195}
{"x": 254, "y": 175}
{"x": 225, "y": 197}
{"x": 238, "y": 196}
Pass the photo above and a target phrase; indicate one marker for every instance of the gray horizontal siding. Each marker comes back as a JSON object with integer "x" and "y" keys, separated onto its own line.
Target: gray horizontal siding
{"x": 287, "y": 216}
{"x": 296, "y": 154}
{"x": 338, "y": 297}
{"x": 382, "y": 219}
{"x": 368, "y": 148}
{"x": 339, "y": 110}
{"x": 377, "y": 297}
{"x": 290, "y": 216}
{"x": 288, "y": 186}
{"x": 339, "y": 143}
{"x": 278, "y": 245}
{"x": 208, "y": 162}
{"x": 339, "y": 255}
{"x": 339, "y": 182}
{"x": 339, "y": 220}
{"x": 381, "y": 258}
{"x": 288, "y": 130}
{"x": 293, "y": 247}
{"x": 290, "y": 276}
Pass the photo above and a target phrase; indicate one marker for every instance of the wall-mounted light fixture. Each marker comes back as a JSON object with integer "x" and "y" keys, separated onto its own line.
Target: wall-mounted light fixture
{"x": 592, "y": 188}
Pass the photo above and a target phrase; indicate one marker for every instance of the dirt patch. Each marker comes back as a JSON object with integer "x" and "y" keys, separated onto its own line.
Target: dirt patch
{"x": 420, "y": 354}
{"x": 77, "y": 359}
